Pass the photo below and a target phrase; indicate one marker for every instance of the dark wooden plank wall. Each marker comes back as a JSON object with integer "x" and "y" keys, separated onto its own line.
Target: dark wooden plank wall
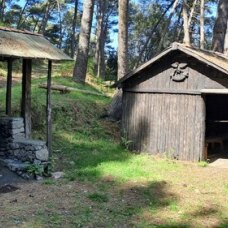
{"x": 158, "y": 78}
{"x": 165, "y": 123}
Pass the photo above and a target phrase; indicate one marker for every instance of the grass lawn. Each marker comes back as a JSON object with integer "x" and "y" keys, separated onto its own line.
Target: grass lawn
{"x": 105, "y": 185}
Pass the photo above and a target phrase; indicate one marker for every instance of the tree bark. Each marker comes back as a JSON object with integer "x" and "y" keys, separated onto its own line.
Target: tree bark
{"x": 202, "y": 33}
{"x": 99, "y": 60}
{"x": 123, "y": 38}
{"x": 225, "y": 51}
{"x": 2, "y": 10}
{"x": 80, "y": 68}
{"x": 186, "y": 40}
{"x": 72, "y": 41}
{"x": 191, "y": 13}
{"x": 220, "y": 28}
{"x": 115, "y": 109}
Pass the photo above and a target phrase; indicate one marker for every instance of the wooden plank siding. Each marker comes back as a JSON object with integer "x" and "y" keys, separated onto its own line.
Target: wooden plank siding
{"x": 161, "y": 115}
{"x": 171, "y": 124}
{"x": 158, "y": 77}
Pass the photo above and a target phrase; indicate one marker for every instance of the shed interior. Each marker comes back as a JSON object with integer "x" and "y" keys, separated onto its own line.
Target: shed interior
{"x": 217, "y": 125}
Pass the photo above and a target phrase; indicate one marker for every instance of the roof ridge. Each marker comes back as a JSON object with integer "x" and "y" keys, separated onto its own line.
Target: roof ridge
{"x": 205, "y": 51}
{"x": 19, "y": 31}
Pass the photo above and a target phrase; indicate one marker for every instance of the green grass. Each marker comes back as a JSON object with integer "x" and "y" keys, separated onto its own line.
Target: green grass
{"x": 104, "y": 184}
{"x": 203, "y": 164}
{"x": 98, "y": 197}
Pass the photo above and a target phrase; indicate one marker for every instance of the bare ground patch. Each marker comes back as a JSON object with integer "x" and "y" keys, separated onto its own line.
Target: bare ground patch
{"x": 194, "y": 197}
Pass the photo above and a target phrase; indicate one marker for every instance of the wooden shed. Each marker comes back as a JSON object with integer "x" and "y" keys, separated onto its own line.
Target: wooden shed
{"x": 177, "y": 103}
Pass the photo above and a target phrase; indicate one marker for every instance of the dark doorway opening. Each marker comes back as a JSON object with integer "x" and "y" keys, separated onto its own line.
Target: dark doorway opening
{"x": 216, "y": 126}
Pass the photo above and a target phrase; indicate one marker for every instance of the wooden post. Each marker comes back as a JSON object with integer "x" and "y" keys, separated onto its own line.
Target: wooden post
{"x": 9, "y": 87}
{"x": 204, "y": 119}
{"x": 26, "y": 96}
{"x": 49, "y": 110}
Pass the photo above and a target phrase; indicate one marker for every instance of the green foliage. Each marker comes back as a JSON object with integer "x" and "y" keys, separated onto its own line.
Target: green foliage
{"x": 126, "y": 143}
{"x": 203, "y": 164}
{"x": 226, "y": 187}
{"x": 35, "y": 170}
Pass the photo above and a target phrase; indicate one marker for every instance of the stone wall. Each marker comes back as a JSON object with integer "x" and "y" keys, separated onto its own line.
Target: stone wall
{"x": 15, "y": 147}
{"x": 10, "y": 130}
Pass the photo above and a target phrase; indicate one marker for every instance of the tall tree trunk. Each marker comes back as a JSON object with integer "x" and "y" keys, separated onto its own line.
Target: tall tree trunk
{"x": 115, "y": 109}
{"x": 225, "y": 51}
{"x": 100, "y": 39}
{"x": 2, "y": 10}
{"x": 186, "y": 24}
{"x": 60, "y": 30}
{"x": 220, "y": 28}
{"x": 191, "y": 13}
{"x": 74, "y": 23}
{"x": 80, "y": 68}
{"x": 101, "y": 71}
{"x": 202, "y": 34}
{"x": 123, "y": 38}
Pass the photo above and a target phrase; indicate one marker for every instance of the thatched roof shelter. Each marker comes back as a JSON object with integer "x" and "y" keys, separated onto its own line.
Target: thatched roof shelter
{"x": 25, "y": 45}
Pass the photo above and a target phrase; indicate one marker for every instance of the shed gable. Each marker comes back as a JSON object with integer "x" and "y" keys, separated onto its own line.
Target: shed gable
{"x": 175, "y": 72}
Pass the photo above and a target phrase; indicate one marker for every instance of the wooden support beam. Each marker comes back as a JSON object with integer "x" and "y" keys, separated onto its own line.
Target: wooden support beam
{"x": 9, "y": 87}
{"x": 49, "y": 110}
{"x": 26, "y": 96}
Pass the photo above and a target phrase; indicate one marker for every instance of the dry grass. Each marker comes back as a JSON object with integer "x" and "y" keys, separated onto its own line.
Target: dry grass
{"x": 189, "y": 196}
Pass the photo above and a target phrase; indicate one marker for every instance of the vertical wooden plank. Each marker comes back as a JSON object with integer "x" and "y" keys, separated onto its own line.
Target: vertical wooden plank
{"x": 26, "y": 96}
{"x": 201, "y": 128}
{"x": 9, "y": 87}
{"x": 49, "y": 110}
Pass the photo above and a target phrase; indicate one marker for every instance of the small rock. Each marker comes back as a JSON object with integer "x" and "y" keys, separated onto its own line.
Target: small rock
{"x": 42, "y": 155}
{"x": 39, "y": 178}
{"x": 57, "y": 175}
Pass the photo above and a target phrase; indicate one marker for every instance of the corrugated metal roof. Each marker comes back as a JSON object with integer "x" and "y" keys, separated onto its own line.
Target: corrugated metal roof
{"x": 213, "y": 59}
{"x": 24, "y": 44}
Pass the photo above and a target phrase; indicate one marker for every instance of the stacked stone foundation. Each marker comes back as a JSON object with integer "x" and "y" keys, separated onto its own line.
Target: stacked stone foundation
{"x": 17, "y": 152}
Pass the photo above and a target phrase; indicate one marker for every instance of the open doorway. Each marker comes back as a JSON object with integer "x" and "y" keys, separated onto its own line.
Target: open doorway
{"x": 216, "y": 126}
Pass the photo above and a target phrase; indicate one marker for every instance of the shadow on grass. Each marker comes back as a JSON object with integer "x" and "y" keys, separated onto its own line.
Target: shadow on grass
{"x": 83, "y": 155}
